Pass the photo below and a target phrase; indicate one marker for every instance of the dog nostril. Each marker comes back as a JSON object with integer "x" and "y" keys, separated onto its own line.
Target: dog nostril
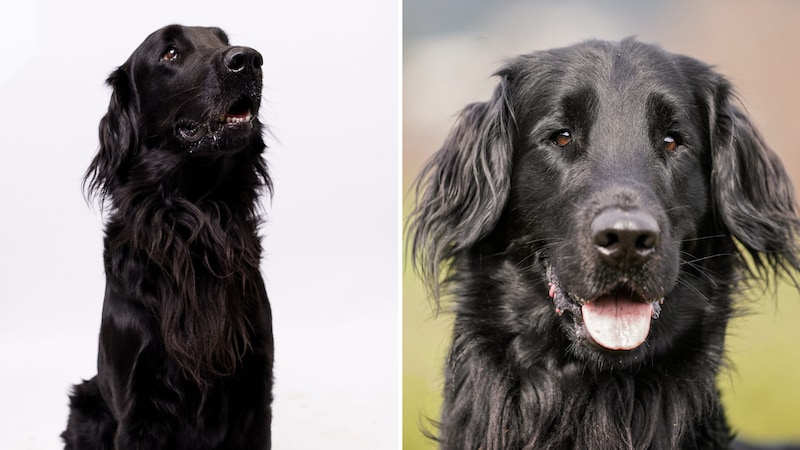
{"x": 646, "y": 241}
{"x": 605, "y": 239}
{"x": 625, "y": 239}
{"x": 240, "y": 58}
{"x": 234, "y": 61}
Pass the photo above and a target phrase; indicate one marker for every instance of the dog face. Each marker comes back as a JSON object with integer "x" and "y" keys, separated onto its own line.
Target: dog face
{"x": 610, "y": 183}
{"x": 197, "y": 93}
{"x": 611, "y": 180}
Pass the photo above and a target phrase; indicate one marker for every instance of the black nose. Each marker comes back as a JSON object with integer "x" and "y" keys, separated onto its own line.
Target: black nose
{"x": 625, "y": 239}
{"x": 238, "y": 59}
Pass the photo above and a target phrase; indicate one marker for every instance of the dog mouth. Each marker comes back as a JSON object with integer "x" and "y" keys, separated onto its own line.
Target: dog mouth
{"x": 239, "y": 115}
{"x": 617, "y": 319}
{"x": 241, "y": 111}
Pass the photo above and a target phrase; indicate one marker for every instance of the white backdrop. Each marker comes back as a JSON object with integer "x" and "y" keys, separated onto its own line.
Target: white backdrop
{"x": 331, "y": 236}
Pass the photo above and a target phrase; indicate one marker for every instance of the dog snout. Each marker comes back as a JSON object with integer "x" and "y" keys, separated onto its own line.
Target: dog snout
{"x": 238, "y": 59}
{"x": 625, "y": 239}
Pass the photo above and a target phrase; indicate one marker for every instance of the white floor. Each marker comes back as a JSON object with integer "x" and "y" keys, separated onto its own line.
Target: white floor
{"x": 339, "y": 392}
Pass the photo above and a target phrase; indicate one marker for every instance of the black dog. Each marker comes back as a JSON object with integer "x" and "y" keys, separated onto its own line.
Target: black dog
{"x": 186, "y": 350}
{"x": 595, "y": 216}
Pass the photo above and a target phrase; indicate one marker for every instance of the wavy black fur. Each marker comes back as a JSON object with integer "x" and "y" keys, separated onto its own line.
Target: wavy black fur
{"x": 186, "y": 350}
{"x": 504, "y": 203}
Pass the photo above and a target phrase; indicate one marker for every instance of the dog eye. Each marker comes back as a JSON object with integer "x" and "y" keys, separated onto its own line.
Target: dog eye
{"x": 562, "y": 138}
{"x": 670, "y": 143}
{"x": 170, "y": 54}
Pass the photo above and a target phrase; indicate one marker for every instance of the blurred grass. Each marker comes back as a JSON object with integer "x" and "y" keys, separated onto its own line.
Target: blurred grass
{"x": 761, "y": 391}
{"x": 426, "y": 338}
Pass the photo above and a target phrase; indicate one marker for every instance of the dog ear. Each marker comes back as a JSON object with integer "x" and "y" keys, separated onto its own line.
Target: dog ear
{"x": 119, "y": 137}
{"x": 753, "y": 194}
{"x": 462, "y": 190}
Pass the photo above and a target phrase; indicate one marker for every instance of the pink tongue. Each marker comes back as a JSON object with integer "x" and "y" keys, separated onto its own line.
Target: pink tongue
{"x": 617, "y": 323}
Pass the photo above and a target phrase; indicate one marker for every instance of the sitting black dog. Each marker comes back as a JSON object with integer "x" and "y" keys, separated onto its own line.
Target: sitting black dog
{"x": 186, "y": 349}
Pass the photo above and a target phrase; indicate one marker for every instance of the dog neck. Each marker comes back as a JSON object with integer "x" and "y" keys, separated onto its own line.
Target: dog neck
{"x": 207, "y": 256}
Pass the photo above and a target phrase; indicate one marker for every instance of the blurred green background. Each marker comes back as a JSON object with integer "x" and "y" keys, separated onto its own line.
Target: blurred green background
{"x": 450, "y": 49}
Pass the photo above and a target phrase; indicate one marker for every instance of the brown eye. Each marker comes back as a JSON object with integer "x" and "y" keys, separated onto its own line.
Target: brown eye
{"x": 562, "y": 138}
{"x": 170, "y": 54}
{"x": 670, "y": 143}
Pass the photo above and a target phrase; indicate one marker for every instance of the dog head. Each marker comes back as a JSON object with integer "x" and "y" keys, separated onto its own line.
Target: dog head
{"x": 613, "y": 178}
{"x": 185, "y": 94}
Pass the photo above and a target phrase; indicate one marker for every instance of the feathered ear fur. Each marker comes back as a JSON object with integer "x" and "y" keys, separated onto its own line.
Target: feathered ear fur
{"x": 753, "y": 195}
{"x": 463, "y": 189}
{"x": 119, "y": 137}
